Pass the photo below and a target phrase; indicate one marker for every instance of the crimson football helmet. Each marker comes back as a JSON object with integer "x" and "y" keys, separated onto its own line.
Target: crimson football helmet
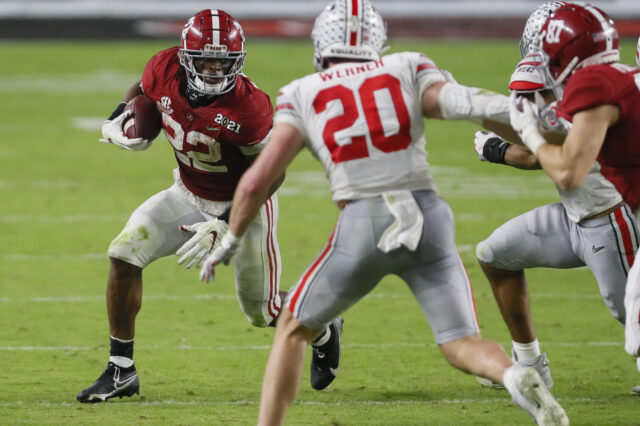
{"x": 351, "y": 29}
{"x": 575, "y": 36}
{"x": 212, "y": 35}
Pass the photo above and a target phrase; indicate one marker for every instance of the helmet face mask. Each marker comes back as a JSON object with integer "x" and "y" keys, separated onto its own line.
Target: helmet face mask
{"x": 212, "y": 39}
{"x": 348, "y": 29}
{"x": 575, "y": 36}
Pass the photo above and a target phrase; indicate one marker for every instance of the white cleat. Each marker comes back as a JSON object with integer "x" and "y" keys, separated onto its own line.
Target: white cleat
{"x": 533, "y": 396}
{"x": 540, "y": 364}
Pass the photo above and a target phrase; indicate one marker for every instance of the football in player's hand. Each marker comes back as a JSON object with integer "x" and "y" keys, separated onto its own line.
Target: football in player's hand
{"x": 146, "y": 121}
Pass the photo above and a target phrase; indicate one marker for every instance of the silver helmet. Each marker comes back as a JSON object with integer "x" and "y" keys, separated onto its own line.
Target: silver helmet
{"x": 351, "y": 29}
{"x": 535, "y": 22}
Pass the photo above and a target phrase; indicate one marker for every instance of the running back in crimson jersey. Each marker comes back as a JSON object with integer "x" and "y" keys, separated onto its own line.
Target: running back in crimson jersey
{"x": 214, "y": 144}
{"x": 364, "y": 122}
{"x": 619, "y": 85}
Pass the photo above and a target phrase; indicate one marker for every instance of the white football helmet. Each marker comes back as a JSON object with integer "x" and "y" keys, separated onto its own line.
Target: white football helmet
{"x": 535, "y": 22}
{"x": 351, "y": 29}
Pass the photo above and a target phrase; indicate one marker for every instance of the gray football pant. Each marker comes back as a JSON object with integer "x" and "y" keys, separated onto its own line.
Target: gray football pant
{"x": 546, "y": 237}
{"x": 351, "y": 265}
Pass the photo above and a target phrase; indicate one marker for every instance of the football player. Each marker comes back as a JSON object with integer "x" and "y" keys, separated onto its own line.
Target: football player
{"x": 601, "y": 97}
{"x": 362, "y": 115}
{"x": 585, "y": 228}
{"x": 217, "y": 121}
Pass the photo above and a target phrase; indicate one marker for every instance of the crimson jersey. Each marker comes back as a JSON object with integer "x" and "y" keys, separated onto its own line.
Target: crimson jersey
{"x": 214, "y": 143}
{"x": 619, "y": 85}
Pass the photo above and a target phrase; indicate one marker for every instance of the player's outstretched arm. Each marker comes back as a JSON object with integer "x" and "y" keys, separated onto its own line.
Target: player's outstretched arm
{"x": 254, "y": 188}
{"x": 452, "y": 101}
{"x": 263, "y": 176}
{"x": 490, "y": 147}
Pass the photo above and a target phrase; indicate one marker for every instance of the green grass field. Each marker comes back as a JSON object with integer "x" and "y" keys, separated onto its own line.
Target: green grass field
{"x": 64, "y": 196}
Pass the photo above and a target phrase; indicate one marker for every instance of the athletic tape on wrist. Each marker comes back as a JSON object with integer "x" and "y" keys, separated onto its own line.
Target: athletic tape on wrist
{"x": 533, "y": 140}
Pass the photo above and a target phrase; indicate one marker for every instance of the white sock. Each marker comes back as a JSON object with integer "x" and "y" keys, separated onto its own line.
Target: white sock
{"x": 508, "y": 379}
{"x": 323, "y": 339}
{"x": 526, "y": 351}
{"x": 638, "y": 364}
{"x": 121, "y": 361}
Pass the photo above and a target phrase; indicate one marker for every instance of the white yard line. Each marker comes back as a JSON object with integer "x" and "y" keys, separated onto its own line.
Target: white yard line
{"x": 84, "y": 299}
{"x": 98, "y": 81}
{"x": 38, "y": 257}
{"x": 240, "y": 348}
{"x": 17, "y": 257}
{"x": 340, "y": 403}
{"x": 377, "y": 295}
{"x": 314, "y": 183}
{"x": 75, "y": 218}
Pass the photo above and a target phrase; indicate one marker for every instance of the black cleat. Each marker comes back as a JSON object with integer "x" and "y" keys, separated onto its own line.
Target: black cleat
{"x": 115, "y": 381}
{"x": 326, "y": 358}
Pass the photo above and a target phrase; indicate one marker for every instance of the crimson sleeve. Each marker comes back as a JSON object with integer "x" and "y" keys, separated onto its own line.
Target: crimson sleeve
{"x": 148, "y": 80}
{"x": 260, "y": 121}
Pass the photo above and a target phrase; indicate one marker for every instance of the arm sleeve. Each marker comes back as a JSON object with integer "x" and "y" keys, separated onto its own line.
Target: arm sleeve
{"x": 426, "y": 72}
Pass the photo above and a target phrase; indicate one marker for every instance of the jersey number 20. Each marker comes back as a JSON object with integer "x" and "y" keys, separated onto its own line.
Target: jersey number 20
{"x": 357, "y": 147}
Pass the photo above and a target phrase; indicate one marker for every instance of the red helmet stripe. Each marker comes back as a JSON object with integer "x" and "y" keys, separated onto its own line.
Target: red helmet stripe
{"x": 356, "y": 12}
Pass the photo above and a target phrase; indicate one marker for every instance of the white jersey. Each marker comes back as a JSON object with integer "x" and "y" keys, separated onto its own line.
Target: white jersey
{"x": 363, "y": 121}
{"x": 594, "y": 196}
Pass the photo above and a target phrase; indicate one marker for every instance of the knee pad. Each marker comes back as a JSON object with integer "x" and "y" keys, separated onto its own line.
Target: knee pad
{"x": 484, "y": 253}
{"x": 135, "y": 245}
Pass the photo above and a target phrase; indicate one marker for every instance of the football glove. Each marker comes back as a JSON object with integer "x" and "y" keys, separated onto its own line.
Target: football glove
{"x": 490, "y": 147}
{"x": 223, "y": 254}
{"x": 113, "y": 132}
{"x": 549, "y": 119}
{"x": 207, "y": 238}
{"x": 524, "y": 120}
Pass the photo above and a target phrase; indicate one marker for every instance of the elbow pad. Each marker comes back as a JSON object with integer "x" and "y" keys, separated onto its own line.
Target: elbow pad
{"x": 458, "y": 102}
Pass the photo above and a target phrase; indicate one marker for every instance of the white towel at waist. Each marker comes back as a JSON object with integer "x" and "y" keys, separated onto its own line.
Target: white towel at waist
{"x": 406, "y": 229}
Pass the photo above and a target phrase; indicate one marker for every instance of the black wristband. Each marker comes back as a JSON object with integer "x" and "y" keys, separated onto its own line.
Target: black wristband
{"x": 118, "y": 111}
{"x": 494, "y": 150}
